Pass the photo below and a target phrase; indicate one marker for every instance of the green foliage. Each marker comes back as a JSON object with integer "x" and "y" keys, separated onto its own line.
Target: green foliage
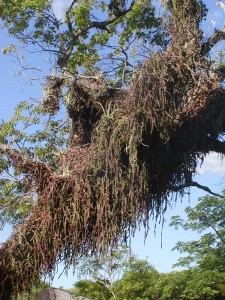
{"x": 209, "y": 217}
{"x": 207, "y": 253}
{"x": 78, "y": 36}
{"x": 95, "y": 290}
{"x": 18, "y": 16}
{"x": 24, "y": 130}
{"x": 120, "y": 276}
{"x": 139, "y": 23}
{"x": 136, "y": 282}
{"x": 192, "y": 284}
{"x": 103, "y": 273}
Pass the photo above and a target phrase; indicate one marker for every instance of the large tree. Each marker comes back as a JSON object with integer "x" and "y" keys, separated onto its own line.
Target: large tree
{"x": 144, "y": 104}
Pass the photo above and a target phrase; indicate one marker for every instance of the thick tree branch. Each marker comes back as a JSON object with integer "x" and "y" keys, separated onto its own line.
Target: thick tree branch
{"x": 217, "y": 36}
{"x": 23, "y": 163}
{"x": 217, "y": 146}
{"x": 221, "y": 4}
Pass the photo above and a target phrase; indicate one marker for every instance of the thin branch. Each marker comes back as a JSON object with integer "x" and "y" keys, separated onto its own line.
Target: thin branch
{"x": 102, "y": 25}
{"x": 32, "y": 41}
{"x": 218, "y": 234}
{"x": 69, "y": 23}
{"x": 195, "y": 184}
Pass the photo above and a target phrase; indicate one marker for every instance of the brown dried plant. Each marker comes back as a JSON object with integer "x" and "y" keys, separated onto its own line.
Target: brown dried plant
{"x": 140, "y": 152}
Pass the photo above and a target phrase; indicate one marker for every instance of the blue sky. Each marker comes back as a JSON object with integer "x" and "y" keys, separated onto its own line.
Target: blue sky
{"x": 17, "y": 88}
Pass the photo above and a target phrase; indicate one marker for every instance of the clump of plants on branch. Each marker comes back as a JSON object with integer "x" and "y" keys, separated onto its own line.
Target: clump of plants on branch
{"x": 129, "y": 151}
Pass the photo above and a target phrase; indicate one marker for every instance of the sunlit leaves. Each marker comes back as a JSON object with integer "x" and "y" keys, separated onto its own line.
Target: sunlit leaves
{"x": 14, "y": 206}
{"x": 82, "y": 14}
{"x": 208, "y": 252}
{"x": 139, "y": 22}
{"x": 34, "y": 23}
{"x": 9, "y": 49}
{"x": 23, "y": 130}
{"x": 17, "y": 14}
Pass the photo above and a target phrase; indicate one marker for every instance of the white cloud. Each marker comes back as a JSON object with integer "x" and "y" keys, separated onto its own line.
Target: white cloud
{"x": 212, "y": 164}
{"x": 59, "y": 7}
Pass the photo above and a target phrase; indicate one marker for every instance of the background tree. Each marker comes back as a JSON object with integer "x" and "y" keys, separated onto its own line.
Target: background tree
{"x": 207, "y": 253}
{"x": 128, "y": 144}
{"x": 188, "y": 284}
{"x": 92, "y": 289}
{"x": 120, "y": 276}
{"x": 136, "y": 281}
{"x": 103, "y": 273}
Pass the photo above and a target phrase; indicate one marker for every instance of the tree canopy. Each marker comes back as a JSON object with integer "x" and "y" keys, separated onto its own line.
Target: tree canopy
{"x": 144, "y": 104}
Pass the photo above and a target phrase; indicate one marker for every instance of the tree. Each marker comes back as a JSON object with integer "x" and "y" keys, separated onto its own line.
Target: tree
{"x": 99, "y": 276}
{"x": 190, "y": 284}
{"x": 207, "y": 253}
{"x": 94, "y": 289}
{"x": 207, "y": 216}
{"x": 128, "y": 143}
{"x": 120, "y": 276}
{"x": 136, "y": 281}
{"x": 170, "y": 286}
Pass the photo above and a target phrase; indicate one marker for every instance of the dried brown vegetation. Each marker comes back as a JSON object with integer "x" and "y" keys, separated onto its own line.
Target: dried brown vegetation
{"x": 130, "y": 157}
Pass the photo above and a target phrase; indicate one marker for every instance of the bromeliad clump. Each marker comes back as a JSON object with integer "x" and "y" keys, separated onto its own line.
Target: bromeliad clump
{"x": 52, "y": 90}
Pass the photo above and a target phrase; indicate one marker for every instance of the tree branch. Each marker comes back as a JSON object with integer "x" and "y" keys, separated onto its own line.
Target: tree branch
{"x": 218, "y": 234}
{"x": 217, "y": 36}
{"x": 102, "y": 25}
{"x": 216, "y": 146}
{"x": 221, "y": 4}
{"x": 195, "y": 184}
{"x": 24, "y": 163}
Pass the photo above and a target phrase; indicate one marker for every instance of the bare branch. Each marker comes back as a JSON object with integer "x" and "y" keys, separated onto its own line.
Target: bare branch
{"x": 195, "y": 184}
{"x": 217, "y": 36}
{"x": 221, "y": 4}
